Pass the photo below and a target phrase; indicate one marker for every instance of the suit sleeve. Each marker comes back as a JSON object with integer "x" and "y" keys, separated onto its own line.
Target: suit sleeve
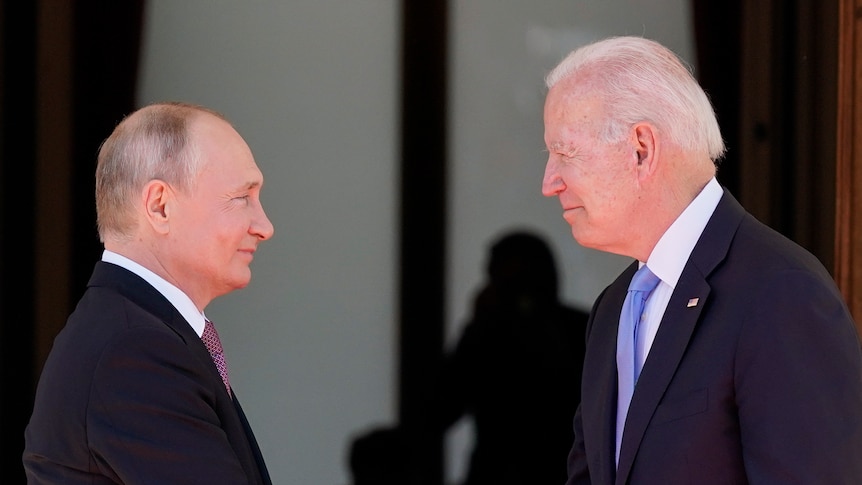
{"x": 578, "y": 471}
{"x": 577, "y": 466}
{"x": 153, "y": 418}
{"x": 798, "y": 385}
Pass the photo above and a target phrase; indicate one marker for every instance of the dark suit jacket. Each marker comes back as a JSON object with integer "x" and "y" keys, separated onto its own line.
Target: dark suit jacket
{"x": 757, "y": 382}
{"x": 129, "y": 394}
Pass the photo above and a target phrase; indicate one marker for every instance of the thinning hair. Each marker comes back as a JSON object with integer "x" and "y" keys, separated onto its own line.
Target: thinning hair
{"x": 153, "y": 143}
{"x": 639, "y": 80}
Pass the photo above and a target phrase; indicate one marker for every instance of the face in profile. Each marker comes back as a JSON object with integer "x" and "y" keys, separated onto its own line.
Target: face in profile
{"x": 217, "y": 224}
{"x": 594, "y": 180}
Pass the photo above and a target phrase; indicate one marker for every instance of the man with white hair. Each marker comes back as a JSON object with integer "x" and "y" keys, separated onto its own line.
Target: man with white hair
{"x": 724, "y": 354}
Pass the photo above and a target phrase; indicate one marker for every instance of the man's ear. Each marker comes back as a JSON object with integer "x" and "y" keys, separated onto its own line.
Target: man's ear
{"x": 158, "y": 201}
{"x": 646, "y": 149}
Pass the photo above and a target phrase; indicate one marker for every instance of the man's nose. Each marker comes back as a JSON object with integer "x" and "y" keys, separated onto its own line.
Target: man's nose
{"x": 262, "y": 226}
{"x": 552, "y": 183}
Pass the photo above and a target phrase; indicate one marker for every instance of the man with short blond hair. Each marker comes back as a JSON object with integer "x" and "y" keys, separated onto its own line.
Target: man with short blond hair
{"x": 136, "y": 388}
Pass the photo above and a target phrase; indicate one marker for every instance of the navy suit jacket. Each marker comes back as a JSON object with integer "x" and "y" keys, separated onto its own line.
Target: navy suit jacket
{"x": 754, "y": 376}
{"x": 129, "y": 394}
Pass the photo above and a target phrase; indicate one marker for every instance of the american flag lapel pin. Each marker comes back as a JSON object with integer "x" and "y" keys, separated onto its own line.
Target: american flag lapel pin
{"x": 692, "y": 302}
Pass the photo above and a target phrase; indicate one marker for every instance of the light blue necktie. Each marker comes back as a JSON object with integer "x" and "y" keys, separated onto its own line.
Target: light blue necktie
{"x": 643, "y": 283}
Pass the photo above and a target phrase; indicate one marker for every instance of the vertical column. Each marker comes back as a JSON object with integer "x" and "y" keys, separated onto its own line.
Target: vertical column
{"x": 848, "y": 211}
{"x": 17, "y": 255}
{"x": 423, "y": 226}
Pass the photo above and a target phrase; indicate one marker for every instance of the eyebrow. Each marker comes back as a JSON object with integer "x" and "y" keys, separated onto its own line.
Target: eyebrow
{"x": 561, "y": 147}
{"x": 249, "y": 185}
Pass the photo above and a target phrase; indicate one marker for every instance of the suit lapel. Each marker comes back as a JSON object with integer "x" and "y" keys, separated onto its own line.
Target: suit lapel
{"x": 235, "y": 424}
{"x": 677, "y": 326}
{"x": 670, "y": 343}
{"x": 599, "y": 388}
{"x": 137, "y": 290}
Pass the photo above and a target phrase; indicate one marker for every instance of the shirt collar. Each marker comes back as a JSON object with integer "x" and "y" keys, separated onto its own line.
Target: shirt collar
{"x": 174, "y": 295}
{"x": 672, "y": 251}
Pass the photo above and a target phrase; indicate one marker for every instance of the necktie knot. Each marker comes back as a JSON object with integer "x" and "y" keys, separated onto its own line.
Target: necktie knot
{"x": 644, "y": 280}
{"x": 213, "y": 344}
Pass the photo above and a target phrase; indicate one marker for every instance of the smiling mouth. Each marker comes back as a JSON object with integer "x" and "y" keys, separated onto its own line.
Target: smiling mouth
{"x": 571, "y": 213}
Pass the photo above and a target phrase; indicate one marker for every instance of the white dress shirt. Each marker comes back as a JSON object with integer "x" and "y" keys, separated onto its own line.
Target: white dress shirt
{"x": 175, "y": 296}
{"x": 669, "y": 257}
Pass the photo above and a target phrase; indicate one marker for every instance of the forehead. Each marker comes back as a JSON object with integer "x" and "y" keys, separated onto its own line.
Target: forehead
{"x": 215, "y": 136}
{"x": 569, "y": 112}
{"x": 223, "y": 150}
{"x": 573, "y": 100}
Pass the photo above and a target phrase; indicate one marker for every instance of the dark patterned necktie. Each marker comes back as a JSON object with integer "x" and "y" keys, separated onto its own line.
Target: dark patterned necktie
{"x": 213, "y": 344}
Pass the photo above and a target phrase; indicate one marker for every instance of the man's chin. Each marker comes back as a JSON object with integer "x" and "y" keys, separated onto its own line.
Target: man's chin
{"x": 242, "y": 280}
{"x": 582, "y": 238}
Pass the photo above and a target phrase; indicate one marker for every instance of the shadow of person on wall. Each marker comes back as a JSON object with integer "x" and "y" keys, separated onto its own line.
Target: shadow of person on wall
{"x": 516, "y": 369}
{"x": 379, "y": 457}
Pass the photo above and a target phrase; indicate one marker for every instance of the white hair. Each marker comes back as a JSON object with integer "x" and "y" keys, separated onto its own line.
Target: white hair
{"x": 641, "y": 80}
